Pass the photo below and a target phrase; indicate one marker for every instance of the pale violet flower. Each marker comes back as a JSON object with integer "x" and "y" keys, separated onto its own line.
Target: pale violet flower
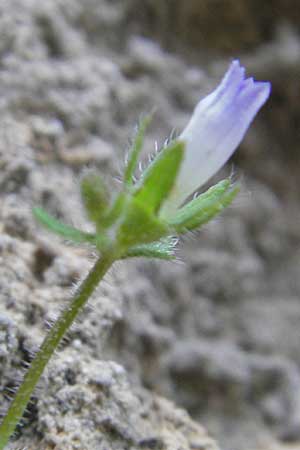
{"x": 215, "y": 130}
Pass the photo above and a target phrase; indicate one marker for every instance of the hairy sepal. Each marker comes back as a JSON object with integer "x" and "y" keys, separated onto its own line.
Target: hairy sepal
{"x": 204, "y": 208}
{"x": 135, "y": 150}
{"x": 159, "y": 178}
{"x": 95, "y": 197}
{"x": 163, "y": 249}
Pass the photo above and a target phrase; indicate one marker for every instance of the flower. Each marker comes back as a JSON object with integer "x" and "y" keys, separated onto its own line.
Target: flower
{"x": 215, "y": 130}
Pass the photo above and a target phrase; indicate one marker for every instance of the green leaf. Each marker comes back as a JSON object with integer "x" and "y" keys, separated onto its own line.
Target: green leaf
{"x": 204, "y": 208}
{"x": 158, "y": 179}
{"x": 66, "y": 231}
{"x": 163, "y": 249}
{"x": 139, "y": 226}
{"x": 136, "y": 149}
{"x": 94, "y": 196}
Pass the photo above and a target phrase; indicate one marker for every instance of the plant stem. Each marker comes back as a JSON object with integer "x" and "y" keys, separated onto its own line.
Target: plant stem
{"x": 50, "y": 344}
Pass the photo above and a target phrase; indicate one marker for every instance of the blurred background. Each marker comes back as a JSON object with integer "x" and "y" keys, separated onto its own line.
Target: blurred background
{"x": 217, "y": 332}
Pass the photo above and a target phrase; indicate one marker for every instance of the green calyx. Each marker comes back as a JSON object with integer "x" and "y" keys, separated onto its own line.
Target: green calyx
{"x": 131, "y": 224}
{"x": 140, "y": 226}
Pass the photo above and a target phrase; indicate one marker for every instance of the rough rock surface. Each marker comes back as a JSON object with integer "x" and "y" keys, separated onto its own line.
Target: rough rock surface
{"x": 217, "y": 334}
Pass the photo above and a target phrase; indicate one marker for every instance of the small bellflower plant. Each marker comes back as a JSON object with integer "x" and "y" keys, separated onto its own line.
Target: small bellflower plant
{"x": 144, "y": 217}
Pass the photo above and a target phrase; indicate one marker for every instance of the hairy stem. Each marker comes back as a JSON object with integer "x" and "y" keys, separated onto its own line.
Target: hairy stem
{"x": 50, "y": 344}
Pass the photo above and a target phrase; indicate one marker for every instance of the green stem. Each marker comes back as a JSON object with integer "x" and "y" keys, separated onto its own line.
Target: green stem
{"x": 50, "y": 344}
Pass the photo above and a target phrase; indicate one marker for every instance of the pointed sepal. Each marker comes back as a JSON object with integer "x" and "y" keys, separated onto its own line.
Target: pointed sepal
{"x": 163, "y": 249}
{"x": 158, "y": 179}
{"x": 135, "y": 150}
{"x": 202, "y": 209}
{"x": 95, "y": 197}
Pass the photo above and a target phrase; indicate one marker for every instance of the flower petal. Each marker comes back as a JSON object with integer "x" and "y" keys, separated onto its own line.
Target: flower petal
{"x": 216, "y": 128}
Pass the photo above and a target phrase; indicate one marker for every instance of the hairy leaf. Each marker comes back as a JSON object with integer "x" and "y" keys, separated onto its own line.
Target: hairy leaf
{"x": 59, "y": 228}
